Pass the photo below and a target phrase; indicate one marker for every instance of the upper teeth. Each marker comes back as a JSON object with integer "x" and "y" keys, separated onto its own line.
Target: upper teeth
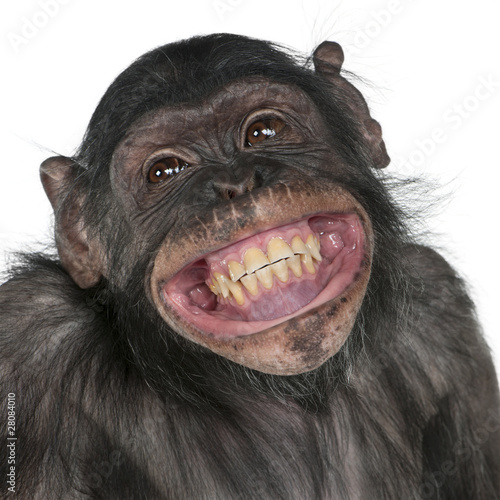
{"x": 278, "y": 249}
{"x": 259, "y": 267}
{"x": 236, "y": 270}
{"x": 254, "y": 259}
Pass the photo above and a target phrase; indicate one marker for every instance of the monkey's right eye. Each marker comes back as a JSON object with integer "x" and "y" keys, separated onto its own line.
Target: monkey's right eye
{"x": 165, "y": 168}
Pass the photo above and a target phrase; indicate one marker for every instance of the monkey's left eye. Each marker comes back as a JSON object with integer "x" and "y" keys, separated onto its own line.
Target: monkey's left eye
{"x": 165, "y": 168}
{"x": 263, "y": 129}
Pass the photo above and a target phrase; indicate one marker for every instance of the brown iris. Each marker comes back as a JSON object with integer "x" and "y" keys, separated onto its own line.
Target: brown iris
{"x": 165, "y": 168}
{"x": 263, "y": 129}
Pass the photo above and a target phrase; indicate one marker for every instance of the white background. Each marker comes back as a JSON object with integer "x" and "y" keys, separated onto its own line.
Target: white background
{"x": 426, "y": 62}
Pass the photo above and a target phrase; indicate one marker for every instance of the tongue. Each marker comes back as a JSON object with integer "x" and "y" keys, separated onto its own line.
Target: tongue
{"x": 283, "y": 299}
{"x": 202, "y": 297}
{"x": 282, "y": 302}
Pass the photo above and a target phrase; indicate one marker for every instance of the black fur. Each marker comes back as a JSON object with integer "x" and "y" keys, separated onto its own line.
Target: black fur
{"x": 112, "y": 404}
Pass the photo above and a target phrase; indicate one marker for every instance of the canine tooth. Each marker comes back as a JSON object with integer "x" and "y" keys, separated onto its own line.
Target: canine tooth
{"x": 237, "y": 290}
{"x": 216, "y": 286}
{"x": 298, "y": 245}
{"x": 280, "y": 269}
{"x": 222, "y": 282}
{"x": 265, "y": 276}
{"x": 306, "y": 259}
{"x": 236, "y": 270}
{"x": 254, "y": 259}
{"x": 213, "y": 289}
{"x": 278, "y": 249}
{"x": 294, "y": 264}
{"x": 250, "y": 283}
{"x": 313, "y": 245}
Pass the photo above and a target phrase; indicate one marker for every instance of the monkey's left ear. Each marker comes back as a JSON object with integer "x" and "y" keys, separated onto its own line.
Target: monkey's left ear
{"x": 328, "y": 59}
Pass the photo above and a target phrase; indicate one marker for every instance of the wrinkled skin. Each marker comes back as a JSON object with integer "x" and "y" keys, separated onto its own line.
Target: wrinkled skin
{"x": 364, "y": 376}
{"x": 285, "y": 178}
{"x": 302, "y": 183}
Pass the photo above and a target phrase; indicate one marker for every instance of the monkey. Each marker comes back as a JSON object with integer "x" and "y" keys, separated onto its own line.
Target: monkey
{"x": 238, "y": 306}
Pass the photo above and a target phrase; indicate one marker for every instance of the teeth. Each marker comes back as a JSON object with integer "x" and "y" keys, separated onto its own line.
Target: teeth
{"x": 250, "y": 283}
{"x": 313, "y": 246}
{"x": 294, "y": 264}
{"x": 257, "y": 267}
{"x": 222, "y": 282}
{"x": 278, "y": 249}
{"x": 216, "y": 286}
{"x": 306, "y": 259}
{"x": 236, "y": 270}
{"x": 265, "y": 276}
{"x": 237, "y": 290}
{"x": 280, "y": 269}
{"x": 254, "y": 259}
{"x": 298, "y": 245}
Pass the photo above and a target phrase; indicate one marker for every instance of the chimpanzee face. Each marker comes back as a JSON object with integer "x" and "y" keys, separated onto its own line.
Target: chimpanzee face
{"x": 265, "y": 257}
{"x": 232, "y": 195}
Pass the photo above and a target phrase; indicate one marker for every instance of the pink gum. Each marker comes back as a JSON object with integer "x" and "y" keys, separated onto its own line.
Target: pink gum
{"x": 217, "y": 261}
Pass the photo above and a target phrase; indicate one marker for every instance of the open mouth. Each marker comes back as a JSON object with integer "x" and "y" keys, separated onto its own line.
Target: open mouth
{"x": 270, "y": 277}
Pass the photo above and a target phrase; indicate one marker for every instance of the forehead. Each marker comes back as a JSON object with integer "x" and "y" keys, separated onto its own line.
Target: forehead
{"x": 217, "y": 111}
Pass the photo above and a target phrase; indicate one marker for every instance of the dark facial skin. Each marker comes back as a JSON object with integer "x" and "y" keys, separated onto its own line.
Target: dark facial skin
{"x": 276, "y": 182}
{"x": 210, "y": 136}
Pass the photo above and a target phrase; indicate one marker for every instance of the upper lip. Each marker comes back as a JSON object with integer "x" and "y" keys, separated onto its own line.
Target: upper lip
{"x": 239, "y": 218}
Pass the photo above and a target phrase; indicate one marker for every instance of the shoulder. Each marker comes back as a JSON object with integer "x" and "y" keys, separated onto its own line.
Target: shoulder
{"x": 436, "y": 286}
{"x": 426, "y": 261}
{"x": 39, "y": 289}
{"x": 444, "y": 328}
{"x": 42, "y": 309}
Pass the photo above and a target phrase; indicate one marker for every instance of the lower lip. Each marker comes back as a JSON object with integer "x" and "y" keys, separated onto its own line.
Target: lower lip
{"x": 342, "y": 249}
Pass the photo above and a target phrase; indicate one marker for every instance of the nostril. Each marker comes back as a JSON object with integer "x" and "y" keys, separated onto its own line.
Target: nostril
{"x": 229, "y": 194}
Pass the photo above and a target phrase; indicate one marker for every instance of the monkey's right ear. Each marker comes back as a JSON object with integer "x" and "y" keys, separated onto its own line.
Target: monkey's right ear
{"x": 79, "y": 255}
{"x": 328, "y": 59}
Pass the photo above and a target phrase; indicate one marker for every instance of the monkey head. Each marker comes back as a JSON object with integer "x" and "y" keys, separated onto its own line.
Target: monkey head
{"x": 231, "y": 182}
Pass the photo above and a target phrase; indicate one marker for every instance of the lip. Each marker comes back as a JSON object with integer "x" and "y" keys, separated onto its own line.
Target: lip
{"x": 265, "y": 346}
{"x": 342, "y": 251}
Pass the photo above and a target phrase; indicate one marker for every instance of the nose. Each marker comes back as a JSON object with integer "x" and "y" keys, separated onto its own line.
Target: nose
{"x": 239, "y": 177}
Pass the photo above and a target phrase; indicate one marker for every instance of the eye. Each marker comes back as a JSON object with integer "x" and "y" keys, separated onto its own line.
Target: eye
{"x": 263, "y": 129}
{"x": 165, "y": 168}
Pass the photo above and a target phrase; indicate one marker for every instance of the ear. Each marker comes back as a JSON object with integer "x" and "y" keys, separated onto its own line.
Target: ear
{"x": 328, "y": 59}
{"x": 79, "y": 256}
